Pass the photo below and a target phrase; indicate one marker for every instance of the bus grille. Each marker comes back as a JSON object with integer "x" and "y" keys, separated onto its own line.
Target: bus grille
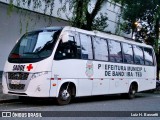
{"x": 17, "y": 87}
{"x": 18, "y": 75}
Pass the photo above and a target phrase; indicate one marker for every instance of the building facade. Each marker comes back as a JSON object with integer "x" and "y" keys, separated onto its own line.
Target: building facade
{"x": 15, "y": 23}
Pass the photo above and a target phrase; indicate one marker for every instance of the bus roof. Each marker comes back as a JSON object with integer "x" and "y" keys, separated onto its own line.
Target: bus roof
{"x": 97, "y": 33}
{"x": 106, "y": 35}
{"x": 48, "y": 28}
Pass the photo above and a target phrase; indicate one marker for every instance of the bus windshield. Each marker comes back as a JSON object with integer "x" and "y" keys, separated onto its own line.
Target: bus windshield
{"x": 34, "y": 46}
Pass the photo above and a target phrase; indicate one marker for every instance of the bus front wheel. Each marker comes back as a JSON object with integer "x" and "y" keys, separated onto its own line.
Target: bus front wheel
{"x": 64, "y": 96}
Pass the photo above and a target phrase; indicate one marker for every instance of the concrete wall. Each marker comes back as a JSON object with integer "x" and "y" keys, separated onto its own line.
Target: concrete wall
{"x": 113, "y": 11}
{"x": 10, "y": 27}
{"x": 13, "y": 26}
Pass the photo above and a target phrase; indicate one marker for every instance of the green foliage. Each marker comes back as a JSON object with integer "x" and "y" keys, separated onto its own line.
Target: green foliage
{"x": 84, "y": 19}
{"x": 100, "y": 23}
{"x": 145, "y": 13}
{"x": 81, "y": 18}
{"x": 10, "y": 8}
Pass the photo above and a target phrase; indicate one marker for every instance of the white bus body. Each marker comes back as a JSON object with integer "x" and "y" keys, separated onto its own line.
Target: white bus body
{"x": 69, "y": 62}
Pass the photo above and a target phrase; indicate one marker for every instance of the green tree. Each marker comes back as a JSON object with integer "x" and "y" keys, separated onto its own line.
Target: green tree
{"x": 81, "y": 16}
{"x": 142, "y": 17}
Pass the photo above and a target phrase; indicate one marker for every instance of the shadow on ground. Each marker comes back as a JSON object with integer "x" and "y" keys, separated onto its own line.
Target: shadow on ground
{"x": 49, "y": 101}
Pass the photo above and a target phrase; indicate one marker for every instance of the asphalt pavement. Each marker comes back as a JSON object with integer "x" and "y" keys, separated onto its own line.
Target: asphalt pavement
{"x": 3, "y": 97}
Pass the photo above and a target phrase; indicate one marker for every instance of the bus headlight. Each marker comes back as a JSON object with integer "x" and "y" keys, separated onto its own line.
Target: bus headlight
{"x": 38, "y": 74}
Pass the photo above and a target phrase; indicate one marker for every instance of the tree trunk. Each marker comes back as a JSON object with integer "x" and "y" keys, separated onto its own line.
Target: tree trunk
{"x": 91, "y": 16}
{"x": 79, "y": 14}
{"x": 89, "y": 21}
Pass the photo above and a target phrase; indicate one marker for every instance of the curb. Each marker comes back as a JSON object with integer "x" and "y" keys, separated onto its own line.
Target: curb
{"x": 6, "y": 98}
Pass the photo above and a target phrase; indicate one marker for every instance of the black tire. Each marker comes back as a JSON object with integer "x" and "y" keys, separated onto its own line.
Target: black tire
{"x": 132, "y": 91}
{"x": 23, "y": 98}
{"x": 64, "y": 96}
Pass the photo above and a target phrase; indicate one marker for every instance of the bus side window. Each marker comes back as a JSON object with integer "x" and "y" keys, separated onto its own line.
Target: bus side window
{"x": 127, "y": 53}
{"x": 86, "y": 46}
{"x": 138, "y": 55}
{"x": 67, "y": 50}
{"x": 115, "y": 51}
{"x": 100, "y": 49}
{"x": 148, "y": 56}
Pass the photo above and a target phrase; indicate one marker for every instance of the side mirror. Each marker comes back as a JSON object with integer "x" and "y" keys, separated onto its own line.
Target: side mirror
{"x": 65, "y": 37}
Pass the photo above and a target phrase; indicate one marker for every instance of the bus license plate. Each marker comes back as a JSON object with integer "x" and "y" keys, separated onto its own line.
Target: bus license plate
{"x": 15, "y": 82}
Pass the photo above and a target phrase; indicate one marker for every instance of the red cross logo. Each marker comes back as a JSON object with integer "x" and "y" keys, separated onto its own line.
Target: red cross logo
{"x": 29, "y": 67}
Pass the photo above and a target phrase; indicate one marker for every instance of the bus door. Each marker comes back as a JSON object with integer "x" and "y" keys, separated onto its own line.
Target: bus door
{"x": 68, "y": 65}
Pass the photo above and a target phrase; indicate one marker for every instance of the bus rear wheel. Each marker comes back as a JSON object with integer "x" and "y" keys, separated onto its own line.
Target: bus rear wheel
{"x": 132, "y": 91}
{"x": 64, "y": 96}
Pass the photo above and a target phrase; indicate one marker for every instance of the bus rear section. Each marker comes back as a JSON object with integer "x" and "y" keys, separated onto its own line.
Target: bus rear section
{"x": 98, "y": 64}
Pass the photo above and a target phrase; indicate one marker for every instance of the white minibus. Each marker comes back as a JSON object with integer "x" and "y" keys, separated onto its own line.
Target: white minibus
{"x": 67, "y": 62}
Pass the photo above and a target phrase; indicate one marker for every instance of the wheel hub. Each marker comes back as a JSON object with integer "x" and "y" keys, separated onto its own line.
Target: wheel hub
{"x": 65, "y": 95}
{"x": 133, "y": 92}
